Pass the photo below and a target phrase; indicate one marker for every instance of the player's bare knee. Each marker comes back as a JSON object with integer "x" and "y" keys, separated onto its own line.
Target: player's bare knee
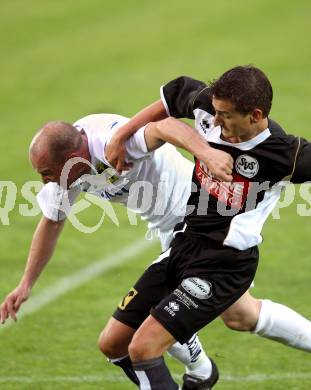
{"x": 106, "y": 345}
{"x": 238, "y": 324}
{"x": 115, "y": 338}
{"x": 136, "y": 350}
{"x": 141, "y": 349}
{"x": 111, "y": 346}
{"x": 240, "y": 320}
{"x": 243, "y": 314}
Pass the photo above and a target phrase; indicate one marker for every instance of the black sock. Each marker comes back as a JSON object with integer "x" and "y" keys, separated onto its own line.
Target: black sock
{"x": 126, "y": 365}
{"x": 154, "y": 374}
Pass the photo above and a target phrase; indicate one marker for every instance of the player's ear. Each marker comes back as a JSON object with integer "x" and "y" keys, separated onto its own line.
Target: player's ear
{"x": 73, "y": 155}
{"x": 77, "y": 155}
{"x": 256, "y": 115}
{"x": 82, "y": 159}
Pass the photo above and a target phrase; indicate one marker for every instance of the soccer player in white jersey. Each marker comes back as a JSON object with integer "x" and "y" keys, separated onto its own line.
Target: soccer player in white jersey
{"x": 57, "y": 143}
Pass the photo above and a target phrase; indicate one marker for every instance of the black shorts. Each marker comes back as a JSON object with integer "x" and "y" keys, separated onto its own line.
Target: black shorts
{"x": 189, "y": 285}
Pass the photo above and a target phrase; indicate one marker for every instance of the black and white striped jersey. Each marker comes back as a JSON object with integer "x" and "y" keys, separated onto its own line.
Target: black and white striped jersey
{"x": 234, "y": 213}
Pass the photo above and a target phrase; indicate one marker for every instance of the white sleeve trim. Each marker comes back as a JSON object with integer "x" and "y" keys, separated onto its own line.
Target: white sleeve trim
{"x": 136, "y": 146}
{"x": 51, "y": 201}
{"x": 164, "y": 101}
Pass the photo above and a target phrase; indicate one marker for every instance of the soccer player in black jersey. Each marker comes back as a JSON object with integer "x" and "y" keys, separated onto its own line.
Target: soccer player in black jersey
{"x": 213, "y": 259}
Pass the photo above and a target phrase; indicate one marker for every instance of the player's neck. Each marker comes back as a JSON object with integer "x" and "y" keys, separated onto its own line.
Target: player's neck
{"x": 252, "y": 133}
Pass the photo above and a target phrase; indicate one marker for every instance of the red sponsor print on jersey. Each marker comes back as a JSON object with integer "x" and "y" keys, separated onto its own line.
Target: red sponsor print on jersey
{"x": 233, "y": 194}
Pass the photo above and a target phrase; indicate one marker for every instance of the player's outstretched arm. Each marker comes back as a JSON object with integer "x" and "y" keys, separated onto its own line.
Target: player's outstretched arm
{"x": 115, "y": 151}
{"x": 184, "y": 136}
{"x": 41, "y": 250}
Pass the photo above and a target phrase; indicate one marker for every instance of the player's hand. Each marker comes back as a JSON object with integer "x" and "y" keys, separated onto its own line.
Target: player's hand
{"x": 116, "y": 152}
{"x": 12, "y": 303}
{"x": 220, "y": 164}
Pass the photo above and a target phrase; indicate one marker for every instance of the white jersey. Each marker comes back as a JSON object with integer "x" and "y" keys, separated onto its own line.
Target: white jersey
{"x": 157, "y": 187}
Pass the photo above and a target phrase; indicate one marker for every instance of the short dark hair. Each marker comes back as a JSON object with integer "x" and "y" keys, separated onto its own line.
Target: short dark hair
{"x": 246, "y": 87}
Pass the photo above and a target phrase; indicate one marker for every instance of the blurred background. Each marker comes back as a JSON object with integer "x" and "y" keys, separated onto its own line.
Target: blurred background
{"x": 66, "y": 59}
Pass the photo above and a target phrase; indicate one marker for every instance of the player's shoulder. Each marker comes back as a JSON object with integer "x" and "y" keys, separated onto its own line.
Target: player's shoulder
{"x": 103, "y": 120}
{"x": 279, "y": 134}
{"x": 187, "y": 81}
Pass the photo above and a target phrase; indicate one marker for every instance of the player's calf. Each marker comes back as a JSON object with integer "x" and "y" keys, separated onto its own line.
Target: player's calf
{"x": 280, "y": 323}
{"x": 127, "y": 367}
{"x": 113, "y": 343}
{"x": 154, "y": 374}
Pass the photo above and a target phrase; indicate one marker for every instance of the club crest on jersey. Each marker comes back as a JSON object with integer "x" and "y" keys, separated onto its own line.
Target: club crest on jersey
{"x": 247, "y": 166}
{"x": 101, "y": 167}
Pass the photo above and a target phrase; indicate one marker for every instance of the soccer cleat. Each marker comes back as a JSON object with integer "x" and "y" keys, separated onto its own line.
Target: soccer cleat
{"x": 193, "y": 383}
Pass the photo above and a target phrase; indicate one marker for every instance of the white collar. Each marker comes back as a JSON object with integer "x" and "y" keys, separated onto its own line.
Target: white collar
{"x": 246, "y": 145}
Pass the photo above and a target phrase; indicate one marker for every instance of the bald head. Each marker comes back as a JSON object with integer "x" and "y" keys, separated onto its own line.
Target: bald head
{"x": 53, "y": 146}
{"x": 55, "y": 142}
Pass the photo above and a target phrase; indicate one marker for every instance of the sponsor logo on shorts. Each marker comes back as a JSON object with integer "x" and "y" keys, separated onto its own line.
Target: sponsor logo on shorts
{"x": 171, "y": 308}
{"x": 127, "y": 299}
{"x": 246, "y": 165}
{"x": 185, "y": 299}
{"x": 174, "y": 306}
{"x": 198, "y": 288}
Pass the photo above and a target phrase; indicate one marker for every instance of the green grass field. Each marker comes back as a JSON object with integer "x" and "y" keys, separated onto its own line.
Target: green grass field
{"x": 65, "y": 59}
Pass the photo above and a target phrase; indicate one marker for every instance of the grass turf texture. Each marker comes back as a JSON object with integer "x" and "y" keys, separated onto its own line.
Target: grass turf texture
{"x": 63, "y": 60}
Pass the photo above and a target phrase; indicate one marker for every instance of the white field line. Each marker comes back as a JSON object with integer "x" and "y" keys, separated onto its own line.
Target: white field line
{"x": 84, "y": 275}
{"x": 121, "y": 378}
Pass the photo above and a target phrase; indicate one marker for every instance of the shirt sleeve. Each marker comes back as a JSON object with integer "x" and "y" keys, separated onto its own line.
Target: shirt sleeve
{"x": 181, "y": 96}
{"x": 302, "y": 165}
{"x": 136, "y": 146}
{"x": 55, "y": 202}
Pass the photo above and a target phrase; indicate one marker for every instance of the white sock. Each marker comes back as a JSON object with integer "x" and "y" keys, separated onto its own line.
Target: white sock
{"x": 282, "y": 324}
{"x": 192, "y": 355}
